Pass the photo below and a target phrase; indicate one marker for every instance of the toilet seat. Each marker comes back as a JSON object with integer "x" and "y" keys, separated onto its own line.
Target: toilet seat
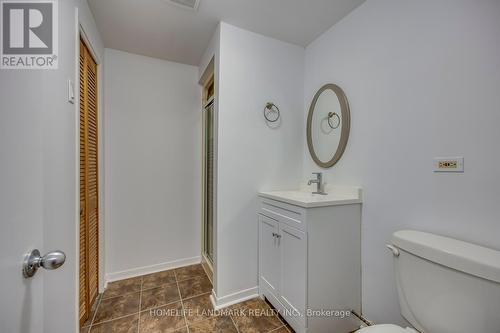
{"x": 386, "y": 329}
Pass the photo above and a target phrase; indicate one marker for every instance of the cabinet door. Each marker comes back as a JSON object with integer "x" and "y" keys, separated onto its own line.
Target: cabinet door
{"x": 269, "y": 254}
{"x": 293, "y": 247}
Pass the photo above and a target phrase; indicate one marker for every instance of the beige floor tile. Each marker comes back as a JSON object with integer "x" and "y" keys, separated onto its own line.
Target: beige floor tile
{"x": 120, "y": 288}
{"x": 214, "y": 325}
{"x": 122, "y": 325}
{"x": 189, "y": 272}
{"x": 162, "y": 311}
{"x": 158, "y": 279}
{"x": 256, "y": 316}
{"x": 199, "y": 308}
{"x": 153, "y": 298}
{"x": 194, "y": 287}
{"x": 166, "y": 319}
{"x": 117, "y": 307}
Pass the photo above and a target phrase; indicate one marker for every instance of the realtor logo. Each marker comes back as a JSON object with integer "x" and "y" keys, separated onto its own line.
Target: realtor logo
{"x": 29, "y": 34}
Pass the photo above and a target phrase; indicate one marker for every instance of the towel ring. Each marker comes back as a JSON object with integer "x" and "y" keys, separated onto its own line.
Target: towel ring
{"x": 330, "y": 116}
{"x": 271, "y": 108}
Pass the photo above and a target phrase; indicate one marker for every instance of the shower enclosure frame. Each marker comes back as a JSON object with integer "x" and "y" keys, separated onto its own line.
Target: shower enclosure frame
{"x": 209, "y": 167}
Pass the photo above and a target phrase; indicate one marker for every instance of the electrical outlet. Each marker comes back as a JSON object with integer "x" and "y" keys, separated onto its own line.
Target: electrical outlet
{"x": 449, "y": 164}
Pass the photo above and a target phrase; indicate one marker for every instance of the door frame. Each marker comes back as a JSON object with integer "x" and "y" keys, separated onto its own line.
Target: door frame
{"x": 208, "y": 77}
{"x": 207, "y": 263}
{"x": 84, "y": 33}
{"x": 206, "y": 103}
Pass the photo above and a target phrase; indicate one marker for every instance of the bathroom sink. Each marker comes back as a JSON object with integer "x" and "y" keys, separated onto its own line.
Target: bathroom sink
{"x": 336, "y": 195}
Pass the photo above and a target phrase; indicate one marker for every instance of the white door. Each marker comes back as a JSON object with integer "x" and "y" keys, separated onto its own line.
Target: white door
{"x": 37, "y": 198}
{"x": 293, "y": 246}
{"x": 269, "y": 254}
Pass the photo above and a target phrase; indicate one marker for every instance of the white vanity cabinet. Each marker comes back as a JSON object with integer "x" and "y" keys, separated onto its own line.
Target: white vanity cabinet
{"x": 310, "y": 260}
{"x": 283, "y": 262}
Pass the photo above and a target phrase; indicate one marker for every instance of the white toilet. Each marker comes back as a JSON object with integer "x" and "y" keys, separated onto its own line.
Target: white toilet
{"x": 444, "y": 285}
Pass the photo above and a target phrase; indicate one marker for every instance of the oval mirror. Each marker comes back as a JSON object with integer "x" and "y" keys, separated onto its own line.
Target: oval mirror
{"x": 328, "y": 125}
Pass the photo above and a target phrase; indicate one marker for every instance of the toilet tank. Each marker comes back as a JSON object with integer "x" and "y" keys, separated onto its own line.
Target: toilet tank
{"x": 446, "y": 285}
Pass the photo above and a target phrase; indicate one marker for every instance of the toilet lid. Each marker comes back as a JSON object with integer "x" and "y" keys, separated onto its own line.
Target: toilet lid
{"x": 385, "y": 329}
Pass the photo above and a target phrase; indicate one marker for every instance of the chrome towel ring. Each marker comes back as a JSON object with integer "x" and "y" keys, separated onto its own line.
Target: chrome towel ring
{"x": 330, "y": 116}
{"x": 271, "y": 112}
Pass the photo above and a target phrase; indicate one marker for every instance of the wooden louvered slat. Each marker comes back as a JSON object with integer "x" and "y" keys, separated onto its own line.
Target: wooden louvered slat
{"x": 83, "y": 285}
{"x": 89, "y": 198}
{"x": 92, "y": 174}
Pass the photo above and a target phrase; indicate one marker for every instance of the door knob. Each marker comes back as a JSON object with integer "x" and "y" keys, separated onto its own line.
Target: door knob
{"x": 33, "y": 261}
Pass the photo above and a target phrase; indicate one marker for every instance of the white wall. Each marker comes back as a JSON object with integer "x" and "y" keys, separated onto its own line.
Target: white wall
{"x": 153, "y": 164}
{"x": 252, "y": 156}
{"x": 422, "y": 80}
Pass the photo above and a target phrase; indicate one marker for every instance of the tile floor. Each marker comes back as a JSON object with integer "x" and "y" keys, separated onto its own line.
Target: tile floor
{"x": 176, "y": 301}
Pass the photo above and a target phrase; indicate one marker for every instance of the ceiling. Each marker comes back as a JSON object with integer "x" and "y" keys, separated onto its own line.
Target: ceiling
{"x": 162, "y": 30}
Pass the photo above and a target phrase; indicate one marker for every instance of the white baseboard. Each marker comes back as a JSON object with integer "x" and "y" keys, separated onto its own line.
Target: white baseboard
{"x": 207, "y": 266}
{"x": 130, "y": 273}
{"x": 235, "y": 298}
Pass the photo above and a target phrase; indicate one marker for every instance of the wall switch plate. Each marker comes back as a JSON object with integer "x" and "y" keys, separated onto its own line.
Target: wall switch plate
{"x": 71, "y": 92}
{"x": 449, "y": 164}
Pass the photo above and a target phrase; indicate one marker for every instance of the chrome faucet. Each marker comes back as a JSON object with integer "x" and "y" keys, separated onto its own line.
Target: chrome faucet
{"x": 319, "y": 183}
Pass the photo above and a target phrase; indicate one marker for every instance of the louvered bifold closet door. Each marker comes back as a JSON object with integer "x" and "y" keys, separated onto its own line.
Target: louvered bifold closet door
{"x": 89, "y": 189}
{"x": 83, "y": 289}
{"x": 92, "y": 181}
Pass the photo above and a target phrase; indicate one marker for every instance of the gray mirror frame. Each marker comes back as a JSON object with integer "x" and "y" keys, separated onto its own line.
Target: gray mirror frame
{"x": 346, "y": 125}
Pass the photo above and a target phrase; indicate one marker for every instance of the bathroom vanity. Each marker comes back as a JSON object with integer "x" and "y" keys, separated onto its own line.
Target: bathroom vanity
{"x": 310, "y": 257}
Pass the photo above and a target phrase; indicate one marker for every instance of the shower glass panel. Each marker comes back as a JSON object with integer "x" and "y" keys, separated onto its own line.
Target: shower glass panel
{"x": 208, "y": 229}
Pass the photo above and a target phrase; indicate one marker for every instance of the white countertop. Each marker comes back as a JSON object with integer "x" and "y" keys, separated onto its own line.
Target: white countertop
{"x": 337, "y": 195}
